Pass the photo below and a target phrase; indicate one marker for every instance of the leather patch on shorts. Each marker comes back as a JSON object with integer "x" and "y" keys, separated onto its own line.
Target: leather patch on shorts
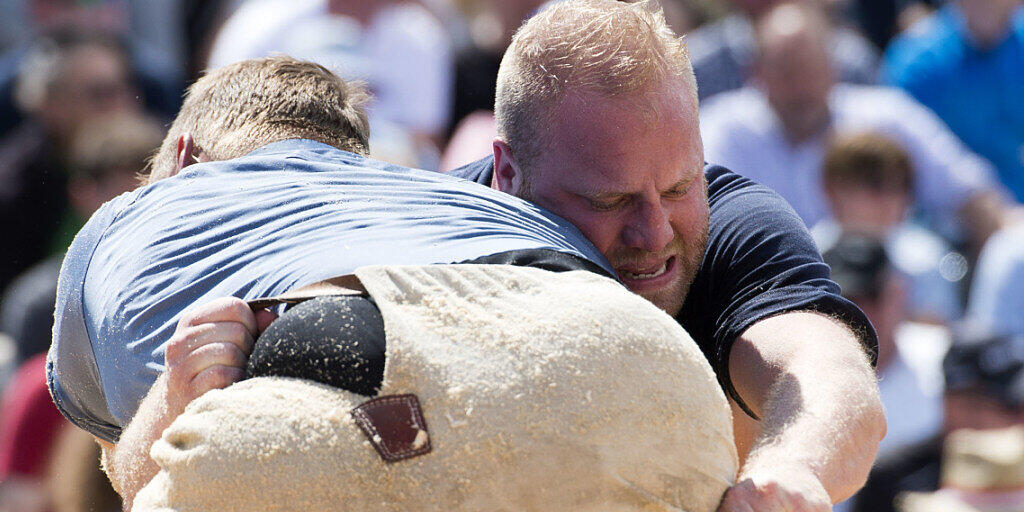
{"x": 394, "y": 425}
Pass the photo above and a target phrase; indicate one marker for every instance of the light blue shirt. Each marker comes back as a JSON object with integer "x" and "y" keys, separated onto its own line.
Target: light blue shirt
{"x": 289, "y": 214}
{"x": 742, "y": 132}
{"x": 996, "y": 299}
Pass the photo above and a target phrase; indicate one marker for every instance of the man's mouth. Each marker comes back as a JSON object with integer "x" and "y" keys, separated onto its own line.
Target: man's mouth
{"x": 651, "y": 274}
{"x": 639, "y": 275}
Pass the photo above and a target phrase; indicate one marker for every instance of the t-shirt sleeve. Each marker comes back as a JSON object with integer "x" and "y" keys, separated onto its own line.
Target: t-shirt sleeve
{"x": 479, "y": 171}
{"x": 761, "y": 261}
{"x": 72, "y": 375}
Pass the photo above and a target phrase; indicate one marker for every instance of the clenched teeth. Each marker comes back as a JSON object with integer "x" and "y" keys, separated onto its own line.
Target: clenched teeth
{"x": 661, "y": 270}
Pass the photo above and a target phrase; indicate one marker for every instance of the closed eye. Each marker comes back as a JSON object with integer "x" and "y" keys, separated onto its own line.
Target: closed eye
{"x": 606, "y": 205}
{"x": 678, "y": 191}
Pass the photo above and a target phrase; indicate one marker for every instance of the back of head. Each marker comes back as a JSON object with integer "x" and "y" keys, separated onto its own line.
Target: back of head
{"x": 597, "y": 46}
{"x": 240, "y": 107}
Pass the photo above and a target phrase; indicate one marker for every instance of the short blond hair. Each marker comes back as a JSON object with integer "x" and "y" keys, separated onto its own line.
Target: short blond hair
{"x": 599, "y": 46}
{"x": 240, "y": 107}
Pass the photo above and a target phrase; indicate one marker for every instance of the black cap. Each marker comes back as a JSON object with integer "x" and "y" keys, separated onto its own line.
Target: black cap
{"x": 982, "y": 361}
{"x": 859, "y": 265}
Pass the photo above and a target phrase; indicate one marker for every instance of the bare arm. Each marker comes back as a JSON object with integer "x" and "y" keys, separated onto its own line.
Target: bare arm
{"x": 808, "y": 378}
{"x": 209, "y": 350}
{"x": 127, "y": 463}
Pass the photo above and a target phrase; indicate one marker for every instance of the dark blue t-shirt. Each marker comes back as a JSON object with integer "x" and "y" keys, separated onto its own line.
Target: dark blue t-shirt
{"x": 760, "y": 261}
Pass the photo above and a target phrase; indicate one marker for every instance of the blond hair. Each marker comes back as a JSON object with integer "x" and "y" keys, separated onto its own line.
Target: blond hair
{"x": 606, "y": 47}
{"x": 238, "y": 108}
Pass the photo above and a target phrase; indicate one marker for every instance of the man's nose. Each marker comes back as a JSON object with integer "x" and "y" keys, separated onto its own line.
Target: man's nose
{"x": 650, "y": 228}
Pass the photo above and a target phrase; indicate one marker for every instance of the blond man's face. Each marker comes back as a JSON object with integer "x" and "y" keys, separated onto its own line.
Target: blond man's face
{"x": 633, "y": 183}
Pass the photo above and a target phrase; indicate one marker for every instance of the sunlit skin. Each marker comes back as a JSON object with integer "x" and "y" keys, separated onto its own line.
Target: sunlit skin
{"x": 988, "y": 21}
{"x": 631, "y": 180}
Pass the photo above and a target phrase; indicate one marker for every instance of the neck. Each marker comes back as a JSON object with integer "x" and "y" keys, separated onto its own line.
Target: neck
{"x": 798, "y": 134}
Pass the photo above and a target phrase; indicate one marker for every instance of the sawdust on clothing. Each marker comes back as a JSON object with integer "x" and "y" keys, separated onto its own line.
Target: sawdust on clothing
{"x": 541, "y": 391}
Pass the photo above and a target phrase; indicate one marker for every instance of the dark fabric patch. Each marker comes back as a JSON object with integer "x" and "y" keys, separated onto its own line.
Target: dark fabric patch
{"x": 335, "y": 340}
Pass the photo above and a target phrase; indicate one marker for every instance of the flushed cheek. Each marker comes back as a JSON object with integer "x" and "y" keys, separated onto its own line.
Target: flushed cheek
{"x": 691, "y": 220}
{"x": 603, "y": 233}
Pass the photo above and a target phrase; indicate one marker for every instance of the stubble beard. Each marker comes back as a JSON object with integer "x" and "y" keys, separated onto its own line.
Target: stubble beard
{"x": 689, "y": 255}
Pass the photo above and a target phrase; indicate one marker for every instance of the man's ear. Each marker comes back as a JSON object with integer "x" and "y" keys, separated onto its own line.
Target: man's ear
{"x": 507, "y": 177}
{"x": 186, "y": 151}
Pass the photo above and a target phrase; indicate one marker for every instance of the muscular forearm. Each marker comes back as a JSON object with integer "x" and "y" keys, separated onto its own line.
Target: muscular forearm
{"x": 128, "y": 463}
{"x": 209, "y": 350}
{"x": 809, "y": 380}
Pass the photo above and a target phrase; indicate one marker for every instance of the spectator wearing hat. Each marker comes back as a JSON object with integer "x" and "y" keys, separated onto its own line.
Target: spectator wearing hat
{"x": 984, "y": 377}
{"x": 982, "y": 471}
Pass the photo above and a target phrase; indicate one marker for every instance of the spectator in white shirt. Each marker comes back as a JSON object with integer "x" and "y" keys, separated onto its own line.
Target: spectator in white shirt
{"x": 776, "y": 130}
{"x": 398, "y": 47}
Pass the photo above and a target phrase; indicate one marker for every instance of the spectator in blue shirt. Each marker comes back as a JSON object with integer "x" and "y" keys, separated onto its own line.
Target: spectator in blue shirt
{"x": 966, "y": 63}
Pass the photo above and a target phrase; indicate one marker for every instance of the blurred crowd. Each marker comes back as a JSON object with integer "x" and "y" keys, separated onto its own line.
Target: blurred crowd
{"x": 895, "y": 129}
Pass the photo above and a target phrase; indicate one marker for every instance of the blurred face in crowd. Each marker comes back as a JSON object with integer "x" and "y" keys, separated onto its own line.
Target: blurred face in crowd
{"x": 93, "y": 82}
{"x": 988, "y": 21}
{"x": 87, "y": 193}
{"x": 753, "y": 8}
{"x": 795, "y": 72}
{"x": 628, "y": 172}
{"x": 871, "y": 209}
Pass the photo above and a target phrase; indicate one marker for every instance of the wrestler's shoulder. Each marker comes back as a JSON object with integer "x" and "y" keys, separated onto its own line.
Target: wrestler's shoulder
{"x": 726, "y": 186}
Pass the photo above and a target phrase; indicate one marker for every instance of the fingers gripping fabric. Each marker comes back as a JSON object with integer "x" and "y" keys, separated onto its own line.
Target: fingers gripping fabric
{"x": 542, "y": 391}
